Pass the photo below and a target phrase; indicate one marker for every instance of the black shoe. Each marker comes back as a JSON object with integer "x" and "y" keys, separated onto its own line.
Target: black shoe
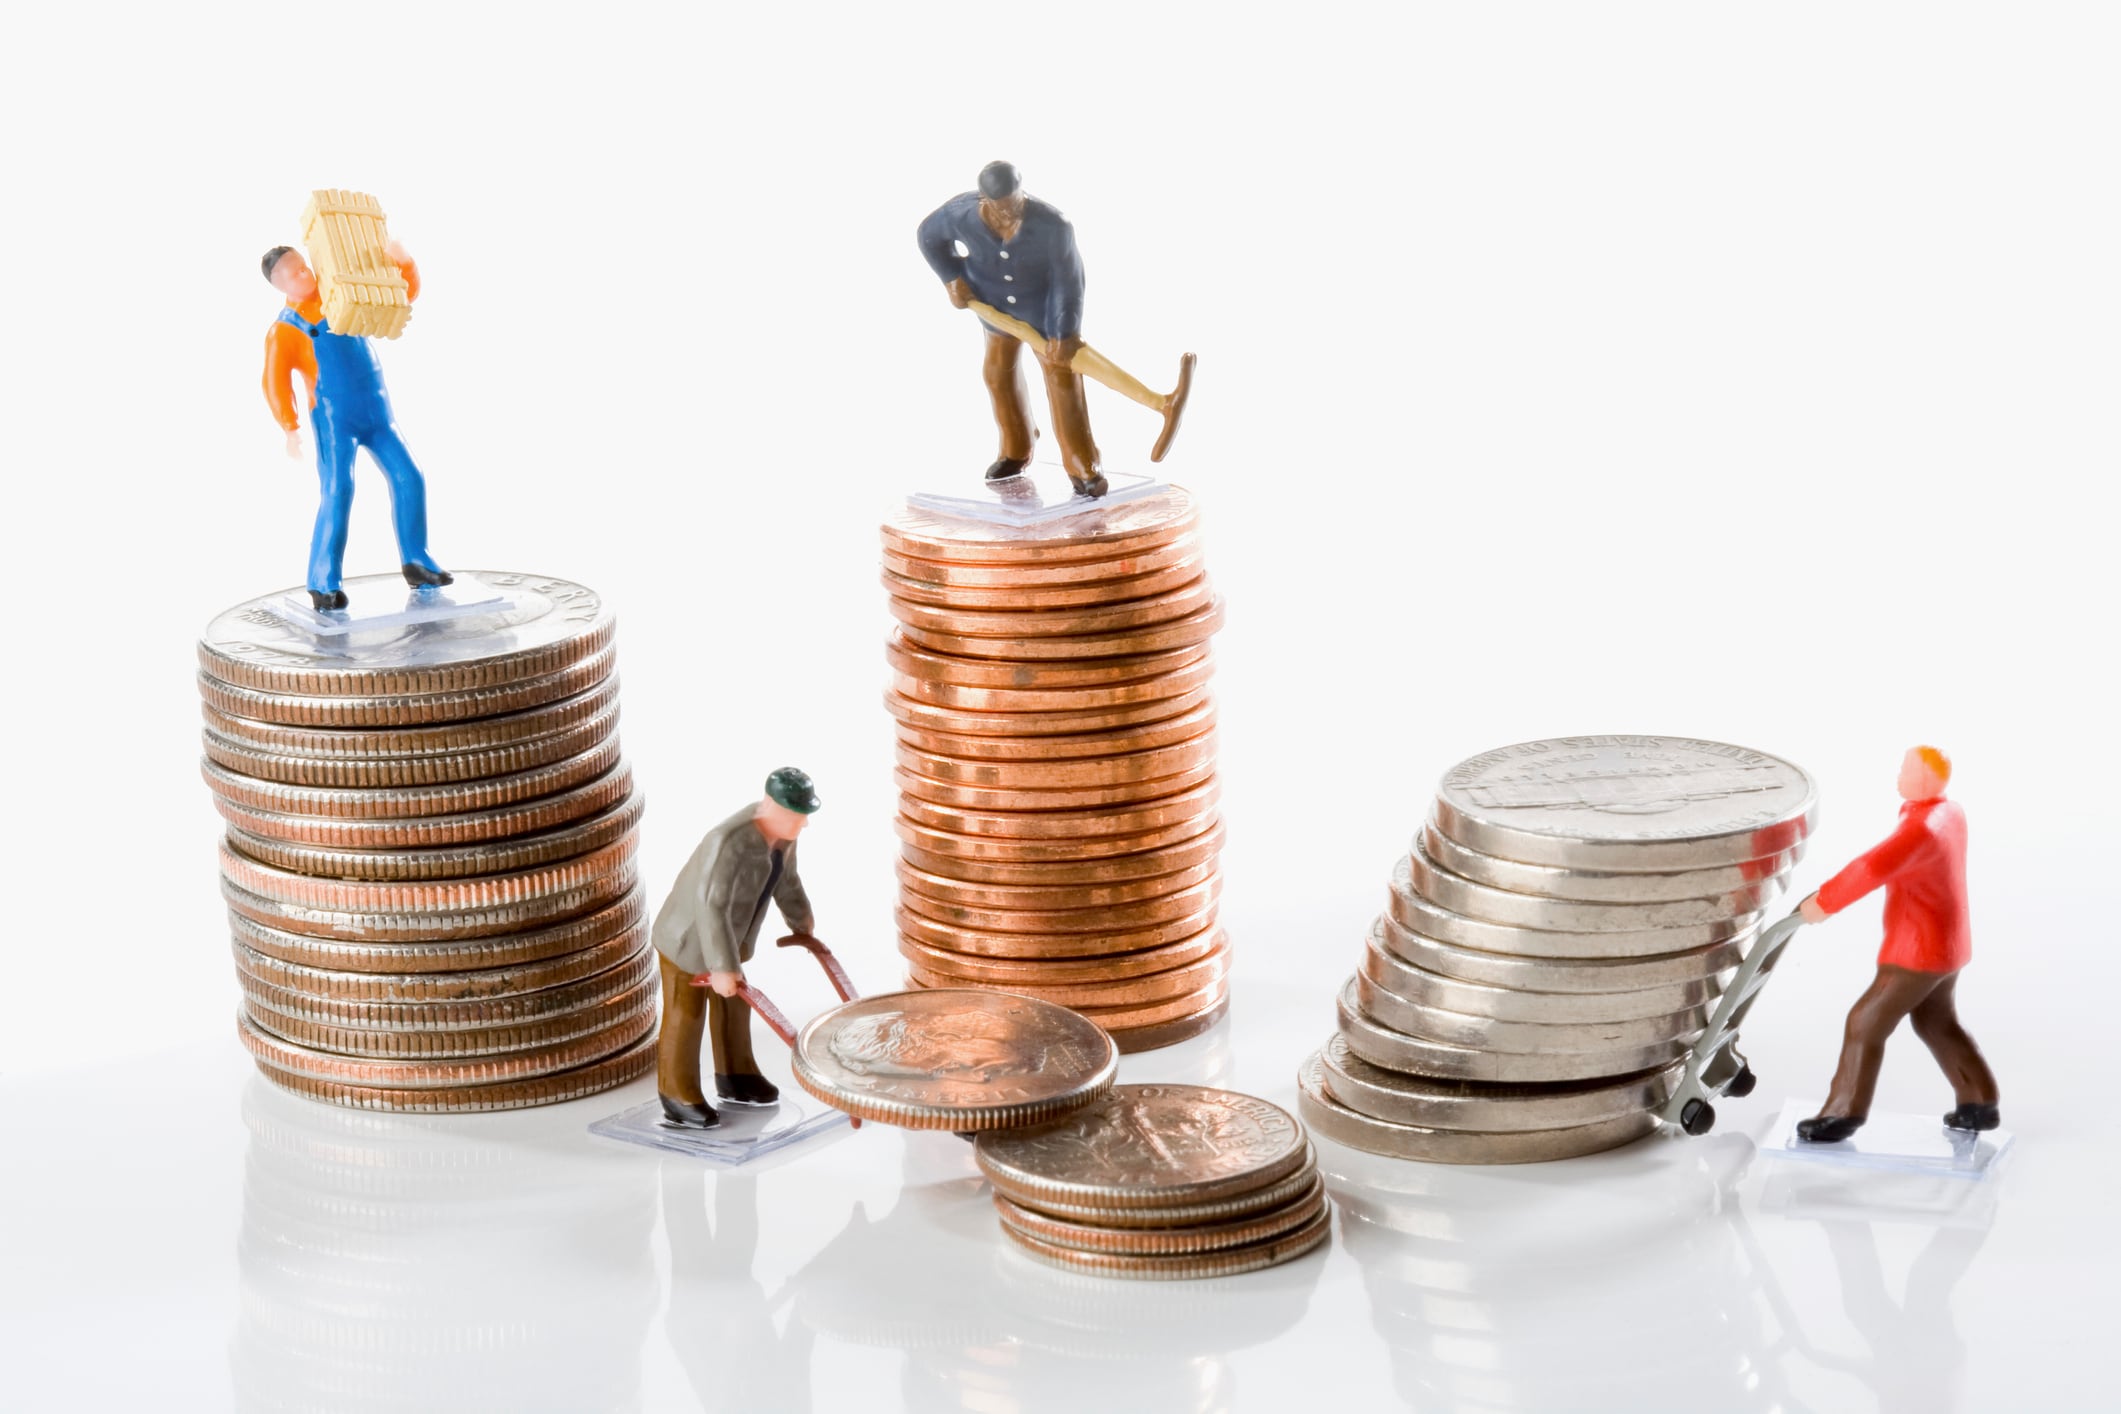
{"x": 688, "y": 1115}
{"x": 1006, "y": 467}
{"x": 421, "y": 577}
{"x": 323, "y": 599}
{"x": 1096, "y": 486}
{"x": 1827, "y": 1129}
{"x": 1974, "y": 1117}
{"x": 746, "y": 1090}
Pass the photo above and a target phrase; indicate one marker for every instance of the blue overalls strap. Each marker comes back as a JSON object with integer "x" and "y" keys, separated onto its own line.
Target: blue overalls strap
{"x": 288, "y": 316}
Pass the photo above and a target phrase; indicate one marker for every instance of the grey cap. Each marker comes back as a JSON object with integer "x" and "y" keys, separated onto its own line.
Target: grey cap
{"x": 792, "y": 790}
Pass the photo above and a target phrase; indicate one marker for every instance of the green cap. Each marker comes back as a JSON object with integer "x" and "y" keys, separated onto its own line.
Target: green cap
{"x": 792, "y": 790}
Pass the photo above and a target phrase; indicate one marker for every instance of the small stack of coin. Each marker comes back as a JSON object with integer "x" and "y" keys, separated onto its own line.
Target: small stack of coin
{"x": 1553, "y": 943}
{"x": 429, "y": 861}
{"x": 1160, "y": 1182}
{"x": 1056, "y": 762}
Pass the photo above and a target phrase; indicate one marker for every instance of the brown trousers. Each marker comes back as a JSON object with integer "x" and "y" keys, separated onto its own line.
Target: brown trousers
{"x": 687, "y": 1012}
{"x": 1927, "y": 998}
{"x": 1064, "y": 395}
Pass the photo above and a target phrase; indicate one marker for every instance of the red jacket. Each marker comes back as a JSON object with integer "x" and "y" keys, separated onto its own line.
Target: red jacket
{"x": 1922, "y": 865}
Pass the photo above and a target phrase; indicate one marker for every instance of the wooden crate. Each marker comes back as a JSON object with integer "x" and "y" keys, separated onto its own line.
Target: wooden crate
{"x": 360, "y": 286}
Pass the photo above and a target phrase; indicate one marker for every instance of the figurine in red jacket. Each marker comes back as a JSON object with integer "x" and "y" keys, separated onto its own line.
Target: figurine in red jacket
{"x": 1922, "y": 867}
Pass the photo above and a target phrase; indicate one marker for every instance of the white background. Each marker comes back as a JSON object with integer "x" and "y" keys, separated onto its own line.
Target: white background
{"x": 1740, "y": 372}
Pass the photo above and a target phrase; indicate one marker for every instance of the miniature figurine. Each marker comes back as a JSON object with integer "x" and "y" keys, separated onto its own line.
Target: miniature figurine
{"x": 1011, "y": 259}
{"x": 349, "y": 408}
{"x": 1922, "y": 867}
{"x": 706, "y": 931}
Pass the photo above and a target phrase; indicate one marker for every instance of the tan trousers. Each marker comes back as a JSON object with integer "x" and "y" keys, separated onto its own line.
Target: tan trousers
{"x": 1064, "y": 395}
{"x": 688, "y": 1011}
{"x": 1927, "y": 998}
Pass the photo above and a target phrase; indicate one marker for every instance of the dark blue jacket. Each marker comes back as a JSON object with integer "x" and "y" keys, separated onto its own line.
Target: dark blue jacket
{"x": 1038, "y": 277}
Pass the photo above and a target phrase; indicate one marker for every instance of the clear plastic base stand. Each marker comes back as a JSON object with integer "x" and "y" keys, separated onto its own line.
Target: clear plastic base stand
{"x": 375, "y": 602}
{"x": 1036, "y": 495}
{"x": 1894, "y": 1143}
{"x": 745, "y": 1133}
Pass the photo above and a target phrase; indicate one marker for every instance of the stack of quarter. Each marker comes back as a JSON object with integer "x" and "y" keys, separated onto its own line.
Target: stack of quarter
{"x": 1552, "y": 944}
{"x": 429, "y": 858}
{"x": 1056, "y": 762}
{"x": 1160, "y": 1182}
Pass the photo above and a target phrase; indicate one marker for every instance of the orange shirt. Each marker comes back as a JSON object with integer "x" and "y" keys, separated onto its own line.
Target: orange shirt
{"x": 1922, "y": 868}
{"x": 288, "y": 352}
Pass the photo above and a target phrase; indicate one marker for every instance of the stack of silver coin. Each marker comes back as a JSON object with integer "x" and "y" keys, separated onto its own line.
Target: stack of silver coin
{"x": 1552, "y": 944}
{"x": 429, "y": 858}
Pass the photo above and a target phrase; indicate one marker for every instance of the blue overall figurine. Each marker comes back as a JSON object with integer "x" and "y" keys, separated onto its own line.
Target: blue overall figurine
{"x": 349, "y": 408}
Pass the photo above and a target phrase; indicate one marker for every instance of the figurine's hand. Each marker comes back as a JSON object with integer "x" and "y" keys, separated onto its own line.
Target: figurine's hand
{"x": 725, "y": 983}
{"x": 1059, "y": 353}
{"x": 1811, "y": 911}
{"x": 397, "y": 252}
{"x": 294, "y": 442}
{"x": 960, "y": 294}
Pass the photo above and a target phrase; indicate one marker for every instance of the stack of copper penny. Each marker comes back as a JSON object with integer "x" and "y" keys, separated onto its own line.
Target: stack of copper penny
{"x": 429, "y": 858}
{"x": 1056, "y": 762}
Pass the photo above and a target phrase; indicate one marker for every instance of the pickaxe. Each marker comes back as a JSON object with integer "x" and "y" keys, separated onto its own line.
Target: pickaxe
{"x": 1094, "y": 365}
{"x": 773, "y": 1016}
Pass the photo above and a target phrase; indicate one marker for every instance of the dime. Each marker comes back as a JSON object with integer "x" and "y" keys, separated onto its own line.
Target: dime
{"x": 1073, "y": 595}
{"x": 1550, "y": 975}
{"x": 1147, "y": 1147}
{"x": 431, "y": 1045}
{"x": 1422, "y": 916}
{"x": 998, "y": 850}
{"x": 1185, "y": 984}
{"x": 981, "y": 943}
{"x": 449, "y": 861}
{"x": 1134, "y": 1040}
{"x": 614, "y": 1070}
{"x": 1064, "y": 824}
{"x": 908, "y": 661}
{"x": 1120, "y": 741}
{"x": 1293, "y": 1188}
{"x": 447, "y": 739}
{"x": 1444, "y": 1104}
{"x": 392, "y": 771}
{"x": 401, "y": 802}
{"x": 291, "y": 1058}
{"x": 431, "y": 927}
{"x": 1626, "y": 802}
{"x": 434, "y": 831}
{"x": 959, "y": 1060}
{"x": 1020, "y": 897}
{"x": 1428, "y": 1023}
{"x": 1451, "y": 994}
{"x": 1194, "y": 628}
{"x": 1099, "y": 533}
{"x": 1185, "y": 903}
{"x": 1092, "y": 772}
{"x": 1100, "y": 697}
{"x": 914, "y": 786}
{"x": 1198, "y": 1237}
{"x": 422, "y": 897}
{"x": 927, "y": 717}
{"x": 1595, "y": 886}
{"x": 1125, "y": 616}
{"x": 488, "y": 983}
{"x": 1042, "y": 574}
{"x": 1337, "y": 1122}
{"x": 1008, "y": 973}
{"x": 1489, "y": 905}
{"x": 1184, "y": 1266}
{"x": 404, "y": 709}
{"x": 451, "y": 1014}
{"x": 1149, "y": 864}
{"x": 1394, "y": 1050}
{"x": 537, "y": 626}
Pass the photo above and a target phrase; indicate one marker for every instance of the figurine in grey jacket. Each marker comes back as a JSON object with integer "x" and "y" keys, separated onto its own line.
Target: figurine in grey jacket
{"x": 706, "y": 931}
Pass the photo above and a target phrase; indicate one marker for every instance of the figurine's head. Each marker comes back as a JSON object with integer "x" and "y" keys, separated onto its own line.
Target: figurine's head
{"x": 1924, "y": 773}
{"x": 791, "y": 799}
{"x": 289, "y": 273}
{"x": 1001, "y": 194}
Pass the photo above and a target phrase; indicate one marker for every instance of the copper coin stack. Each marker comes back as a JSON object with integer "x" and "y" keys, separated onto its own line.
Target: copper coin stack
{"x": 429, "y": 858}
{"x": 1058, "y": 817}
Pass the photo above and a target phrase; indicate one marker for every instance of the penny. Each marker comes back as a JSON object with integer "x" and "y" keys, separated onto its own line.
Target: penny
{"x": 1394, "y": 1050}
{"x": 402, "y": 802}
{"x": 910, "y": 662}
{"x": 1431, "y": 1104}
{"x": 1194, "y": 628}
{"x": 455, "y": 1043}
{"x": 1188, "y": 981}
{"x": 1626, "y": 802}
{"x": 1072, "y": 595}
{"x": 423, "y": 897}
{"x": 999, "y": 852}
{"x": 1101, "y": 532}
{"x": 1050, "y": 775}
{"x": 958, "y": 1060}
{"x": 1197, "y": 1237}
{"x": 1126, "y": 616}
{"x": 1450, "y": 994}
{"x": 293, "y": 1058}
{"x": 1490, "y": 905}
{"x": 435, "y": 831}
{"x": 1120, "y": 741}
{"x": 597, "y": 1076}
{"x": 1123, "y": 1020}
{"x": 447, "y": 739}
{"x": 1422, "y": 916}
{"x": 392, "y": 927}
{"x": 452, "y": 958}
{"x": 1291, "y": 1189}
{"x": 393, "y": 771}
{"x": 1228, "y": 1262}
{"x": 1042, "y": 574}
{"x": 1112, "y": 918}
{"x": 1162, "y": 687}
{"x": 1451, "y": 1028}
{"x": 514, "y": 627}
{"x": 405, "y": 709}
{"x": 1007, "y": 973}
{"x": 1605, "y": 886}
{"x": 486, "y": 985}
{"x": 450, "y": 861}
{"x": 1327, "y": 1116}
{"x": 983, "y": 943}
{"x": 1047, "y": 897}
{"x": 1134, "y": 1040}
{"x": 914, "y": 786}
{"x": 1064, "y": 824}
{"x": 1058, "y": 873}
{"x": 928, "y": 717}
{"x": 1551, "y": 975}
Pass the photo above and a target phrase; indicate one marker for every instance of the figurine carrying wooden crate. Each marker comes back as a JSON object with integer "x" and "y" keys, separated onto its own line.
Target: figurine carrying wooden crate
{"x": 360, "y": 287}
